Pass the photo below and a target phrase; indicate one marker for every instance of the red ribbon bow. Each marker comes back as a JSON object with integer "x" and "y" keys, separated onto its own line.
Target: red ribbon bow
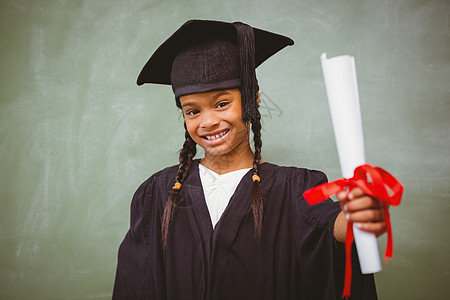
{"x": 373, "y": 181}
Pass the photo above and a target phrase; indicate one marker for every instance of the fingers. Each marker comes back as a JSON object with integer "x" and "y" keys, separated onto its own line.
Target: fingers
{"x": 355, "y": 193}
{"x": 378, "y": 228}
{"x": 365, "y": 211}
{"x": 343, "y": 197}
{"x": 362, "y": 203}
{"x": 366, "y": 215}
{"x": 350, "y": 195}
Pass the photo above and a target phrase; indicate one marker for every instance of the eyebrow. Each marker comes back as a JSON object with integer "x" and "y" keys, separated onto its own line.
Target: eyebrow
{"x": 213, "y": 97}
{"x": 187, "y": 104}
{"x": 220, "y": 93}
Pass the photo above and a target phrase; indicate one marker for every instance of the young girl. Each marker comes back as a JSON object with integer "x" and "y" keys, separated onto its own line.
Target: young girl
{"x": 231, "y": 226}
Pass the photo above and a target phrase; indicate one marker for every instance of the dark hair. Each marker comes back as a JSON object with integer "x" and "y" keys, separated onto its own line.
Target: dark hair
{"x": 257, "y": 196}
{"x": 187, "y": 153}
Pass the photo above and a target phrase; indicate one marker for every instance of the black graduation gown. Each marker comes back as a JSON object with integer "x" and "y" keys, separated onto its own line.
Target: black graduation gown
{"x": 296, "y": 257}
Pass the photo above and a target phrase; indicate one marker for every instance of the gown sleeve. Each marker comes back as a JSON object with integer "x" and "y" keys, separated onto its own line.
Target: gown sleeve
{"x": 140, "y": 272}
{"x": 321, "y": 256}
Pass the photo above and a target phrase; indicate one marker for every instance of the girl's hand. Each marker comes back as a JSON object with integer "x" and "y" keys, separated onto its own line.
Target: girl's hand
{"x": 365, "y": 211}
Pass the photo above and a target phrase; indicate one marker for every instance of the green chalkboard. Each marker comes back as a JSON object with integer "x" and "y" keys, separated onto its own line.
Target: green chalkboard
{"x": 78, "y": 135}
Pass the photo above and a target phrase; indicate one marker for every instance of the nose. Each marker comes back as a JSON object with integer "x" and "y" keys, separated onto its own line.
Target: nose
{"x": 209, "y": 119}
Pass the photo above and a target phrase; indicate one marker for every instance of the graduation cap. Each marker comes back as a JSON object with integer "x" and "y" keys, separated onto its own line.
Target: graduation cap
{"x": 203, "y": 56}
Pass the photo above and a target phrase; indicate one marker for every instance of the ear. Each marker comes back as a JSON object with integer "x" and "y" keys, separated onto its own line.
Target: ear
{"x": 258, "y": 99}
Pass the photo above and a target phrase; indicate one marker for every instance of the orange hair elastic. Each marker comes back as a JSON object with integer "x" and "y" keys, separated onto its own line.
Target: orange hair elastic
{"x": 177, "y": 186}
{"x": 256, "y": 178}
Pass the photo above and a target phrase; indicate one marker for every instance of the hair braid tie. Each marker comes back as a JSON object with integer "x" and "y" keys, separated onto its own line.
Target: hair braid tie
{"x": 256, "y": 178}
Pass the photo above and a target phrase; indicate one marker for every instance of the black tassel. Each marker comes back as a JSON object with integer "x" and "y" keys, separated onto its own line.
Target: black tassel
{"x": 249, "y": 86}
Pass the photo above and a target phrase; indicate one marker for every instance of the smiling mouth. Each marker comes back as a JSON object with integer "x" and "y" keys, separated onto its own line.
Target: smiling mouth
{"x": 216, "y": 136}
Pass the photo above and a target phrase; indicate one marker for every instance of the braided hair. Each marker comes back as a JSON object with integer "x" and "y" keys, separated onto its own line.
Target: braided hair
{"x": 187, "y": 153}
{"x": 257, "y": 196}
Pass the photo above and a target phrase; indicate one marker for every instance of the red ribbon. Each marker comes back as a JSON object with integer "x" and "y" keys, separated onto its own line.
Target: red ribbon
{"x": 373, "y": 181}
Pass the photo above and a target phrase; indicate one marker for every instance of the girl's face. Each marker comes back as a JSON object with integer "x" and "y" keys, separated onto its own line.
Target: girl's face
{"x": 214, "y": 121}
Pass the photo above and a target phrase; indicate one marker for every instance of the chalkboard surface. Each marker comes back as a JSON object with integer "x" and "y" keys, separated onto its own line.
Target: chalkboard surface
{"x": 78, "y": 135}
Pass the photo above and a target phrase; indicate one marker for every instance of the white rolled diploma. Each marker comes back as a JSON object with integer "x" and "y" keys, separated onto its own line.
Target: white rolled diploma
{"x": 343, "y": 98}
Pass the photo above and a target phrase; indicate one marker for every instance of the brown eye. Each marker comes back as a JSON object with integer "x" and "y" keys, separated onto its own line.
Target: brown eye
{"x": 192, "y": 112}
{"x": 222, "y": 104}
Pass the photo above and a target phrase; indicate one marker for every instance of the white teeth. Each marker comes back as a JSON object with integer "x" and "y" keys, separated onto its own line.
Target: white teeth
{"x": 213, "y": 137}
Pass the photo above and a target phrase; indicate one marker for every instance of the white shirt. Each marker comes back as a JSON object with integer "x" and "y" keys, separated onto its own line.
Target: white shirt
{"x": 218, "y": 190}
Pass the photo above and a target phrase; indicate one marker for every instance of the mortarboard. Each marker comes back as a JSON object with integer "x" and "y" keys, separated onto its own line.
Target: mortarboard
{"x": 203, "y": 56}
